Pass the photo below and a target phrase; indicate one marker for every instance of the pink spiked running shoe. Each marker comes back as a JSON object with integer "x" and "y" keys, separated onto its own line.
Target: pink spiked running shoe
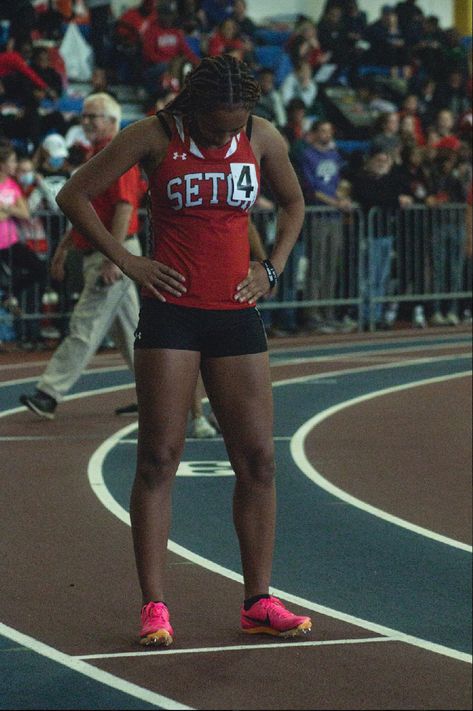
{"x": 269, "y": 616}
{"x": 155, "y": 625}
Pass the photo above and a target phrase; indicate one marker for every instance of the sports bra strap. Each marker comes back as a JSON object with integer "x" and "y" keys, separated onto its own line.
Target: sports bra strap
{"x": 249, "y": 126}
{"x": 164, "y": 124}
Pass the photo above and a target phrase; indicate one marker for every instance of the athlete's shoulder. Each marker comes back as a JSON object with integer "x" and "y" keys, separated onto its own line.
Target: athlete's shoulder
{"x": 263, "y": 127}
{"x": 265, "y": 136}
{"x": 147, "y": 131}
{"x": 148, "y": 140}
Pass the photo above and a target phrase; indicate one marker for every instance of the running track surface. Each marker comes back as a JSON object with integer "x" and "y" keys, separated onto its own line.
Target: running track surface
{"x": 373, "y": 443}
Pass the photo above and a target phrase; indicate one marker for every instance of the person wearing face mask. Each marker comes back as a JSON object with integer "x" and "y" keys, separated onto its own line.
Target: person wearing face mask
{"x": 51, "y": 164}
{"x": 24, "y": 270}
{"x": 51, "y": 158}
{"x": 33, "y": 234}
{"x": 52, "y": 167}
{"x": 34, "y": 187}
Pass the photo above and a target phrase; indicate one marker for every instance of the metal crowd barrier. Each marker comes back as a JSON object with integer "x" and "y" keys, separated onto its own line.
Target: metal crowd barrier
{"x": 344, "y": 266}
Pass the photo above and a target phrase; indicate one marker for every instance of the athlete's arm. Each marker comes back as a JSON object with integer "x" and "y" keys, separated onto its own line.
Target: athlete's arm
{"x": 110, "y": 272}
{"x": 257, "y": 249}
{"x": 278, "y": 171}
{"x": 271, "y": 150}
{"x": 143, "y": 141}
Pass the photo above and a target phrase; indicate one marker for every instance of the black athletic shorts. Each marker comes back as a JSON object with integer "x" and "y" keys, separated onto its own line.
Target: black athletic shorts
{"x": 212, "y": 332}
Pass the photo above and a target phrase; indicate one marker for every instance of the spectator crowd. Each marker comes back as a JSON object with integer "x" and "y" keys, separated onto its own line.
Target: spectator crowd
{"x": 375, "y": 114}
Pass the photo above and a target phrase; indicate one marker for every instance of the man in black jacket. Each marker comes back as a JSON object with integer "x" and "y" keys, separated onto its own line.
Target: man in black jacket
{"x": 378, "y": 190}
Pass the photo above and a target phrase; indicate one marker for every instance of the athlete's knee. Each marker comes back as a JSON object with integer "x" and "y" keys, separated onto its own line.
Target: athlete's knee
{"x": 257, "y": 466}
{"x": 158, "y": 465}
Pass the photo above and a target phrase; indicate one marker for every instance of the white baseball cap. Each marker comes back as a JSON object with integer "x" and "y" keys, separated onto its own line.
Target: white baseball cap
{"x": 56, "y": 146}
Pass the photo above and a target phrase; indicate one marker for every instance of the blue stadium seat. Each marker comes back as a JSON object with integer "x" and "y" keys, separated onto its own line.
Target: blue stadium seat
{"x": 275, "y": 58}
{"x": 269, "y": 55}
{"x": 272, "y": 37}
{"x": 194, "y": 44}
{"x": 284, "y": 67}
{"x": 70, "y": 104}
{"x": 365, "y": 70}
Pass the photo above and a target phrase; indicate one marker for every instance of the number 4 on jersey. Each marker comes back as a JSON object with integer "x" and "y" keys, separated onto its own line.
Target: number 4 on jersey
{"x": 245, "y": 182}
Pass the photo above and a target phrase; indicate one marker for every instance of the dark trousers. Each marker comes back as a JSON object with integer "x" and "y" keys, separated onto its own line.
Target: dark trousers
{"x": 21, "y": 268}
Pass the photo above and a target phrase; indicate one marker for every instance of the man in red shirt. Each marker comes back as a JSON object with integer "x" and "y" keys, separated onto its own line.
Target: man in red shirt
{"x": 12, "y": 63}
{"x": 109, "y": 300}
{"x": 162, "y": 42}
{"x": 128, "y": 40}
{"x": 133, "y": 23}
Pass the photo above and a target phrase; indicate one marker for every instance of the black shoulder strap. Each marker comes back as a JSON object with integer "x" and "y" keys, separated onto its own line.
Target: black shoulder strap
{"x": 249, "y": 126}
{"x": 164, "y": 124}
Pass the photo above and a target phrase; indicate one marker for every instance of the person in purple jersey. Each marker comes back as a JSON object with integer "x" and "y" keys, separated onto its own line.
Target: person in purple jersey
{"x": 320, "y": 171}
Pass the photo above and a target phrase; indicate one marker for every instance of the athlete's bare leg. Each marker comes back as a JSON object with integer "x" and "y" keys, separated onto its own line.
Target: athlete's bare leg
{"x": 197, "y": 408}
{"x": 165, "y": 385}
{"x": 239, "y": 389}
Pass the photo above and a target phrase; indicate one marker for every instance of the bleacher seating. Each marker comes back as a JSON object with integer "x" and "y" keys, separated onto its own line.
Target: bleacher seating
{"x": 274, "y": 57}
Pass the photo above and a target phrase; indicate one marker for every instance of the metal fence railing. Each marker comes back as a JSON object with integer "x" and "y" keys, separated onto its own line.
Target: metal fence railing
{"x": 344, "y": 265}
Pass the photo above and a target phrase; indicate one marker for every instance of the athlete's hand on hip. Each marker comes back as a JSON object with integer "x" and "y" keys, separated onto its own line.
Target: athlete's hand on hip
{"x": 154, "y": 275}
{"x": 110, "y": 273}
{"x": 254, "y": 286}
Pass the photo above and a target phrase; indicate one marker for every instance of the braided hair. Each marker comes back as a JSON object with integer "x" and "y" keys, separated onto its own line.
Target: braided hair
{"x": 216, "y": 82}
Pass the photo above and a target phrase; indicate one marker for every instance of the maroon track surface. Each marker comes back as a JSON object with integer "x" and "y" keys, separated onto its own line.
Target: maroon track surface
{"x": 71, "y": 579}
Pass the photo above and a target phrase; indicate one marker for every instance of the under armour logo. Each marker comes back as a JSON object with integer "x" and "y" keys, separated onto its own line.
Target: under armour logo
{"x": 138, "y": 335}
{"x": 182, "y": 156}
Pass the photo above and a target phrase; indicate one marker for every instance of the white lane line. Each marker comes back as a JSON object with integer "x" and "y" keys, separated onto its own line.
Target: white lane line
{"x": 379, "y": 350}
{"x": 80, "y": 666}
{"x": 373, "y": 356}
{"x": 311, "y": 379}
{"x": 240, "y": 647}
{"x": 206, "y": 440}
{"x": 382, "y": 343}
{"x": 299, "y": 456}
{"x": 101, "y": 491}
{"x": 103, "y": 494}
{"x": 95, "y": 475}
{"x": 89, "y": 371}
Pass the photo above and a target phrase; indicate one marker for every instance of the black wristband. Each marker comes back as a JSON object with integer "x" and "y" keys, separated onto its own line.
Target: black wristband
{"x": 271, "y": 273}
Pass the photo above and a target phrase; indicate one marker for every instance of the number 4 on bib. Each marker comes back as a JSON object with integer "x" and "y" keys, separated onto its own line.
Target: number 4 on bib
{"x": 245, "y": 182}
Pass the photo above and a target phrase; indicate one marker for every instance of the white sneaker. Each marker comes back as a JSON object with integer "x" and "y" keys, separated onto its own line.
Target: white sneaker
{"x": 438, "y": 319}
{"x": 452, "y": 319}
{"x": 212, "y": 420}
{"x": 202, "y": 429}
{"x": 390, "y": 315}
{"x": 348, "y": 324}
{"x": 418, "y": 317}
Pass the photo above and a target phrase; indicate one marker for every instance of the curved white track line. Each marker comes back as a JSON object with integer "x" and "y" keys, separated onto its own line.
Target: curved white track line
{"x": 102, "y": 493}
{"x": 298, "y": 454}
{"x": 95, "y": 475}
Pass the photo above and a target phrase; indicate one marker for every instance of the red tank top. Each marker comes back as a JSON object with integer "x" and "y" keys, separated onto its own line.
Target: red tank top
{"x": 200, "y": 200}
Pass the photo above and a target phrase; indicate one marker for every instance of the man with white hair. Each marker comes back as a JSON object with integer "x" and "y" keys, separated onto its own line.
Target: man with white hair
{"x": 109, "y": 300}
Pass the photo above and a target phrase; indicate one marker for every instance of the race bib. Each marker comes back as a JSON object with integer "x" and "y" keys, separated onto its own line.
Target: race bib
{"x": 245, "y": 182}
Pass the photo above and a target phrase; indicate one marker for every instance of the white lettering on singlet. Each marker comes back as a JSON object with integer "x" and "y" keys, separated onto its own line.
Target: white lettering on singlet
{"x": 238, "y": 188}
{"x": 192, "y": 189}
{"x": 214, "y": 177}
{"x": 174, "y": 196}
